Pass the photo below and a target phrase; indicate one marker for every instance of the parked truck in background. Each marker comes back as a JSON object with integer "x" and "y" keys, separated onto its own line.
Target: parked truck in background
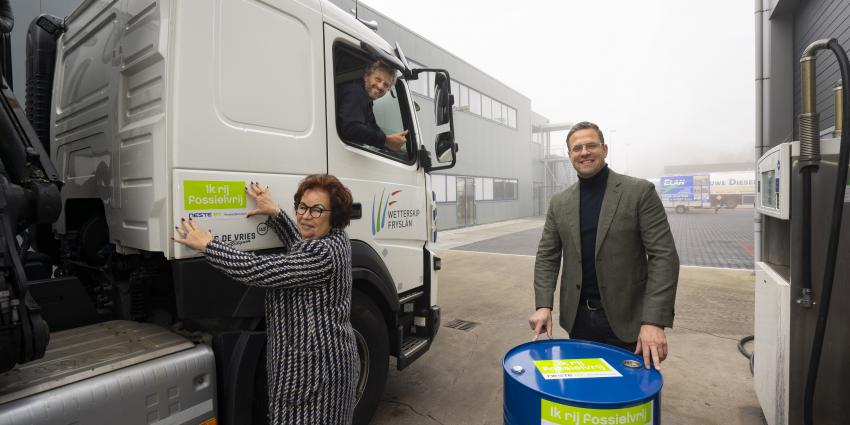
{"x": 732, "y": 188}
{"x": 685, "y": 192}
{"x": 166, "y": 109}
{"x": 709, "y": 190}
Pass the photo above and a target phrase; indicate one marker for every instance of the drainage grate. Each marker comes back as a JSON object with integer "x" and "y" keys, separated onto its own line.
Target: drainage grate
{"x": 463, "y": 325}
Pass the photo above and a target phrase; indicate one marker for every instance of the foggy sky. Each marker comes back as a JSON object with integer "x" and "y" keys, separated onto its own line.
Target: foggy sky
{"x": 670, "y": 82}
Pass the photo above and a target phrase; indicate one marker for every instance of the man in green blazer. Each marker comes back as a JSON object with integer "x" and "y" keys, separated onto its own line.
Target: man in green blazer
{"x": 610, "y": 237}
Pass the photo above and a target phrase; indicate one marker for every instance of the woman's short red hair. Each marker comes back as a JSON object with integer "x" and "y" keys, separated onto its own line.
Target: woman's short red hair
{"x": 341, "y": 199}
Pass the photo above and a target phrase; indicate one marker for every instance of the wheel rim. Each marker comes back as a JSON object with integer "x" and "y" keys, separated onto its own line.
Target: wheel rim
{"x": 363, "y": 352}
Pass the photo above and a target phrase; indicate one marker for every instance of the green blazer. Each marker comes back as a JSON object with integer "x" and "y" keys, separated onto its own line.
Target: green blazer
{"x": 637, "y": 267}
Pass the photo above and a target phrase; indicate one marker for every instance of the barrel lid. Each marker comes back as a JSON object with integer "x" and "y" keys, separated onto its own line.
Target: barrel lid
{"x": 581, "y": 372}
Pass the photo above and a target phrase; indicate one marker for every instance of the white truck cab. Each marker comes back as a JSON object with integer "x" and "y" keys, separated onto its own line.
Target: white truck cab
{"x": 168, "y": 109}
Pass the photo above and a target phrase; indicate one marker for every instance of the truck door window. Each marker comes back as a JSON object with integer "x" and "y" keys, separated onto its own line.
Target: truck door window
{"x": 387, "y": 112}
{"x": 365, "y": 124}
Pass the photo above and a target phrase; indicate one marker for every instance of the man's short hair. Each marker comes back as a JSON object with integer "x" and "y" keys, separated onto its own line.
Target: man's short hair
{"x": 585, "y": 125}
{"x": 374, "y": 66}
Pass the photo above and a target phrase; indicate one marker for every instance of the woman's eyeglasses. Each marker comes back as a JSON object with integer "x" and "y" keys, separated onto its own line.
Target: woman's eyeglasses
{"x": 316, "y": 211}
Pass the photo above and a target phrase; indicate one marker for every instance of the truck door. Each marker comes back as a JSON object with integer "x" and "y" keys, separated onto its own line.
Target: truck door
{"x": 388, "y": 186}
{"x": 248, "y": 105}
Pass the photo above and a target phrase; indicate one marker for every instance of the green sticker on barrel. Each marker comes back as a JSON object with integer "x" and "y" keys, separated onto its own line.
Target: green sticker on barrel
{"x": 576, "y": 368}
{"x": 561, "y": 414}
{"x": 213, "y": 195}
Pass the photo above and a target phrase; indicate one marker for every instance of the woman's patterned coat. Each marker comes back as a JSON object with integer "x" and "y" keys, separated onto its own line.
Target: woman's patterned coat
{"x": 312, "y": 359}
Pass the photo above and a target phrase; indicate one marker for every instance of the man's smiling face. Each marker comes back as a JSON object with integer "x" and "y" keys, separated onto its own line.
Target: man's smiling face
{"x": 587, "y": 152}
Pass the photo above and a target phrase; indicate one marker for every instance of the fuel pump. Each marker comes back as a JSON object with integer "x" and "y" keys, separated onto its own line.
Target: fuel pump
{"x": 800, "y": 346}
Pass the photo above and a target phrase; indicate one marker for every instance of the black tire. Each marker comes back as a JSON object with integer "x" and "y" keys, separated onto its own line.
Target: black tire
{"x": 730, "y": 204}
{"x": 373, "y": 347}
{"x": 680, "y": 209}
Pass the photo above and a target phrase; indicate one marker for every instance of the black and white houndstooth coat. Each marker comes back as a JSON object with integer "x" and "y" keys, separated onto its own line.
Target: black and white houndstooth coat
{"x": 312, "y": 359}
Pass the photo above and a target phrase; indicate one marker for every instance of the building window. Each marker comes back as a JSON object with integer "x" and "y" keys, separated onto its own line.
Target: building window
{"x": 486, "y": 107}
{"x": 502, "y": 189}
{"x": 537, "y": 138}
{"x": 498, "y": 189}
{"x": 479, "y": 104}
{"x": 464, "y": 96}
{"x": 488, "y": 189}
{"x": 474, "y": 102}
{"x": 451, "y": 189}
{"x": 511, "y": 189}
{"x": 497, "y": 112}
{"x": 438, "y": 183}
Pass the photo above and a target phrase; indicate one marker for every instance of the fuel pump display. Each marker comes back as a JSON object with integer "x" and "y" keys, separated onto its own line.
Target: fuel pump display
{"x": 773, "y": 184}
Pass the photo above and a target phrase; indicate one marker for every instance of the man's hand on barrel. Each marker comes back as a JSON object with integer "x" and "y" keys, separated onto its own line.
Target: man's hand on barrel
{"x": 541, "y": 321}
{"x": 652, "y": 343}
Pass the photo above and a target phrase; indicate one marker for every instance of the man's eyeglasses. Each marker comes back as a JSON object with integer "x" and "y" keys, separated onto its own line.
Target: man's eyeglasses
{"x": 316, "y": 211}
{"x": 592, "y": 146}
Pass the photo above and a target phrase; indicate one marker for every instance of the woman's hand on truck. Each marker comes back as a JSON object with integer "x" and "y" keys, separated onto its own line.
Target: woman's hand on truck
{"x": 191, "y": 235}
{"x": 262, "y": 196}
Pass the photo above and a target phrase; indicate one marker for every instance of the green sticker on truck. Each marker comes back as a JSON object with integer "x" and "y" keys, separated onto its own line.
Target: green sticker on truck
{"x": 213, "y": 195}
{"x": 561, "y": 414}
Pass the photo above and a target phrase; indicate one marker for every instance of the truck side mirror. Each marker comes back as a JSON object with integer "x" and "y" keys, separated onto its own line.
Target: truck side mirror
{"x": 444, "y": 142}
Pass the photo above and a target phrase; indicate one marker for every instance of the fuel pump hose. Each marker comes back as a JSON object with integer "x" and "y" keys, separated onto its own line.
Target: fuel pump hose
{"x": 832, "y": 247}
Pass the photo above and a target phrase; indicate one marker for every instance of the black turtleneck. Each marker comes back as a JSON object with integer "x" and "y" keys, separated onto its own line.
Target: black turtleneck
{"x": 592, "y": 191}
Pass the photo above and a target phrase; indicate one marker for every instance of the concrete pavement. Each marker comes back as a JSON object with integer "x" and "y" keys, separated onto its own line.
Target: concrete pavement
{"x": 703, "y": 237}
{"x": 459, "y": 381}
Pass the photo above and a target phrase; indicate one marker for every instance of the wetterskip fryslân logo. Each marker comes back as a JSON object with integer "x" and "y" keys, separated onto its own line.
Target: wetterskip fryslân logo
{"x": 385, "y": 216}
{"x": 379, "y": 209}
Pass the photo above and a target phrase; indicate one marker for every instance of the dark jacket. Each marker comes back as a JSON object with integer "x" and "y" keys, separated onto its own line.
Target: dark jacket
{"x": 355, "y": 118}
{"x": 637, "y": 266}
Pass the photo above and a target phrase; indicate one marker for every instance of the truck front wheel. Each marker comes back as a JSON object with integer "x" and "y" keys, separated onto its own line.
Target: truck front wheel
{"x": 374, "y": 351}
{"x": 681, "y": 209}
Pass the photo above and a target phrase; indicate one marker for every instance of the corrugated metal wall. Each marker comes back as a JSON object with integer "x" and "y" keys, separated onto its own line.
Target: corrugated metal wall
{"x": 816, "y": 19}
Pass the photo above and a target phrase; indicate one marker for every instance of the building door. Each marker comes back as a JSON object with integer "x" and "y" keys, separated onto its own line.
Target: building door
{"x": 539, "y": 199}
{"x": 465, "y": 201}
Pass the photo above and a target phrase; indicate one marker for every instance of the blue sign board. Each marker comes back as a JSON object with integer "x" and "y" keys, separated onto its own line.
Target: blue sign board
{"x": 677, "y": 188}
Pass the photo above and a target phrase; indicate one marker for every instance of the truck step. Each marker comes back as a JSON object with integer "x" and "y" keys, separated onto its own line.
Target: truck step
{"x": 411, "y": 348}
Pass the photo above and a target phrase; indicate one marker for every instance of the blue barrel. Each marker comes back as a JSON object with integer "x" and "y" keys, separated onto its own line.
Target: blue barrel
{"x": 562, "y": 381}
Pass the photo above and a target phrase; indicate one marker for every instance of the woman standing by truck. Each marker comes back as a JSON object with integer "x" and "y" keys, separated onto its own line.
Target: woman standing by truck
{"x": 313, "y": 363}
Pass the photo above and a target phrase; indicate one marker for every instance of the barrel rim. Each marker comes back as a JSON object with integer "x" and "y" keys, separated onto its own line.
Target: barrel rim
{"x": 656, "y": 376}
